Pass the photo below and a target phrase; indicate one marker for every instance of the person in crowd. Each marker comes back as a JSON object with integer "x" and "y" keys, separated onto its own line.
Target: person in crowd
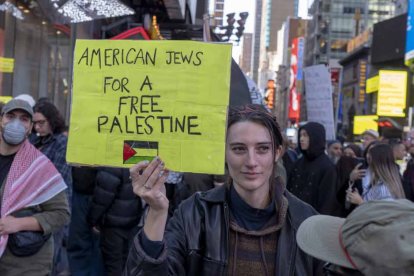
{"x": 369, "y": 136}
{"x": 334, "y": 150}
{"x": 32, "y": 195}
{"x": 245, "y": 227}
{"x": 344, "y": 168}
{"x": 408, "y": 176}
{"x": 398, "y": 149}
{"x": 375, "y": 239}
{"x": 192, "y": 183}
{"x": 381, "y": 181}
{"x": 115, "y": 212}
{"x": 84, "y": 253}
{"x": 49, "y": 125}
{"x": 28, "y": 98}
{"x": 289, "y": 157}
{"x": 313, "y": 177}
{"x": 353, "y": 151}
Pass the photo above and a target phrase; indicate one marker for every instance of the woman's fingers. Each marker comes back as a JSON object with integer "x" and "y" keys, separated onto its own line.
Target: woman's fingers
{"x": 154, "y": 176}
{"x": 161, "y": 179}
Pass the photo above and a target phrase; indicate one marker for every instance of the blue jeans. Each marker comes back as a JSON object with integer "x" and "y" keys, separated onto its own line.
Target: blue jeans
{"x": 83, "y": 244}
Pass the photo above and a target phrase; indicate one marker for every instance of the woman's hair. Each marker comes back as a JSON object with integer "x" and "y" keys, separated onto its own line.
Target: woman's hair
{"x": 258, "y": 114}
{"x": 384, "y": 169}
{"x": 355, "y": 148}
{"x": 52, "y": 114}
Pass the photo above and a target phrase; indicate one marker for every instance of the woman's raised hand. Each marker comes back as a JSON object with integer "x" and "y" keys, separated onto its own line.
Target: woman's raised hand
{"x": 148, "y": 180}
{"x": 357, "y": 173}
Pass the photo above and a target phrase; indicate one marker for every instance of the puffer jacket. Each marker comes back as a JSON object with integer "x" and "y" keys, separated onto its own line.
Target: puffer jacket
{"x": 114, "y": 203}
{"x": 196, "y": 240}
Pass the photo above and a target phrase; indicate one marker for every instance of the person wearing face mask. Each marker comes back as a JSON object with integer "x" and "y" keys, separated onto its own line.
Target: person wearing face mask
{"x": 32, "y": 195}
{"x": 49, "y": 139}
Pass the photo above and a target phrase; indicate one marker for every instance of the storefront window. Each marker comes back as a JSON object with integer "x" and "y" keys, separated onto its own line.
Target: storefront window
{"x": 42, "y": 57}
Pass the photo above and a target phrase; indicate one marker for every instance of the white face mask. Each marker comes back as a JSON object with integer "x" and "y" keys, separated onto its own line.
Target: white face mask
{"x": 14, "y": 132}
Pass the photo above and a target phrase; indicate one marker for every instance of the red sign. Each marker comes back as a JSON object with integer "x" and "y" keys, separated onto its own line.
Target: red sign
{"x": 294, "y": 98}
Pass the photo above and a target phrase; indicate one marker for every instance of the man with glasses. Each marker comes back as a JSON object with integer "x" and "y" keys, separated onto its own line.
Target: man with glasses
{"x": 369, "y": 136}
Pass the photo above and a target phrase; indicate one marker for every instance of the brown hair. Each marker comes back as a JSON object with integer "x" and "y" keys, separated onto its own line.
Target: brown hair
{"x": 384, "y": 169}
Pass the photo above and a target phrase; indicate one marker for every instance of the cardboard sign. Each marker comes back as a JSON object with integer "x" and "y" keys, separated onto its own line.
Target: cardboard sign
{"x": 319, "y": 102}
{"x": 134, "y": 100}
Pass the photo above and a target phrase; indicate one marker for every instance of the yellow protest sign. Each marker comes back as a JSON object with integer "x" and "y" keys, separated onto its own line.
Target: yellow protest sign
{"x": 133, "y": 100}
{"x": 6, "y": 65}
{"x": 372, "y": 84}
{"x": 364, "y": 122}
{"x": 392, "y": 92}
{"x": 5, "y": 99}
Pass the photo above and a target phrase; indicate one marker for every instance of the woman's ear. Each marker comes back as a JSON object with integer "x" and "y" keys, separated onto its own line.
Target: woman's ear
{"x": 278, "y": 153}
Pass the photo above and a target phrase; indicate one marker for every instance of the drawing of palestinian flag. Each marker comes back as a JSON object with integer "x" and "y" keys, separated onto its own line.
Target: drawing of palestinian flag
{"x": 136, "y": 151}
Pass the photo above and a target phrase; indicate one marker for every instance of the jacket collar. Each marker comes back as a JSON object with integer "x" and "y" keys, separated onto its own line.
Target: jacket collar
{"x": 215, "y": 195}
{"x": 297, "y": 207}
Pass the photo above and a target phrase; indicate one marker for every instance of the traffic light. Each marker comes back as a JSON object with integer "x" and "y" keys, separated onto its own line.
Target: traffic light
{"x": 230, "y": 19}
{"x": 241, "y": 22}
{"x": 229, "y": 28}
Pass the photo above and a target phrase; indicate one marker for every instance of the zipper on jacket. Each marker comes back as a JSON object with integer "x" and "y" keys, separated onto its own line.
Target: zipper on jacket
{"x": 227, "y": 229}
{"x": 292, "y": 258}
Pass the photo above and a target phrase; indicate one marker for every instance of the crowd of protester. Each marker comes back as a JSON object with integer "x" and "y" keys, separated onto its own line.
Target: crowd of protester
{"x": 151, "y": 221}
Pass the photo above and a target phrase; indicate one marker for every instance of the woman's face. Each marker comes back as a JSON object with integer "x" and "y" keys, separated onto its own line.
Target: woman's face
{"x": 349, "y": 152}
{"x": 250, "y": 157}
{"x": 41, "y": 124}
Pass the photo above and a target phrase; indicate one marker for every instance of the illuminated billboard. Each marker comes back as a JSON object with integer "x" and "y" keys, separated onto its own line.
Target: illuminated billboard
{"x": 392, "y": 92}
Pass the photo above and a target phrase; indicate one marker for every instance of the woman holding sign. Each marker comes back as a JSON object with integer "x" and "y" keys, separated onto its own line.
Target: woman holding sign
{"x": 246, "y": 227}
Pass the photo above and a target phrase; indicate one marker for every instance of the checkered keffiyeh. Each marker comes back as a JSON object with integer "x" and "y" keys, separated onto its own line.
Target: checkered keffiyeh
{"x": 32, "y": 180}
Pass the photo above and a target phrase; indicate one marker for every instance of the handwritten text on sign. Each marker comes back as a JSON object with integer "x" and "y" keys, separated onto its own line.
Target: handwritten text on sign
{"x": 133, "y": 100}
{"x": 319, "y": 98}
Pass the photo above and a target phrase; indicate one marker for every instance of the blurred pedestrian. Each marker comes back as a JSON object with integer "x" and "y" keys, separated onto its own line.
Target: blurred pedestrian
{"x": 115, "y": 212}
{"x": 84, "y": 253}
{"x": 313, "y": 177}
{"x": 381, "y": 179}
{"x": 369, "y": 136}
{"x": 49, "y": 125}
{"x": 334, "y": 150}
{"x": 352, "y": 150}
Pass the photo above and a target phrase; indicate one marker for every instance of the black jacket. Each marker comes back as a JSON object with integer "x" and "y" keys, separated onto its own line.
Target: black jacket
{"x": 313, "y": 177}
{"x": 114, "y": 203}
{"x": 196, "y": 240}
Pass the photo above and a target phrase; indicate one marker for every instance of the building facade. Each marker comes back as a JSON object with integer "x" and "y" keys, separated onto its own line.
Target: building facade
{"x": 335, "y": 22}
{"x": 245, "y": 61}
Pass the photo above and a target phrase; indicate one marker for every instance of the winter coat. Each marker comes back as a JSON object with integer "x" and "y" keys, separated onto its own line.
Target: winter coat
{"x": 313, "y": 177}
{"x": 197, "y": 240}
{"x": 114, "y": 203}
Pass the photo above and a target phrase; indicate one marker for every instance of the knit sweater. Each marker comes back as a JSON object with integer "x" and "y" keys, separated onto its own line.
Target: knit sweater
{"x": 254, "y": 252}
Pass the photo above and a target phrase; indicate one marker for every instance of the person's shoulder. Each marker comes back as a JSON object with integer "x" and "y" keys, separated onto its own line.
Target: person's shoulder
{"x": 298, "y": 209}
{"x": 61, "y": 138}
{"x": 203, "y": 199}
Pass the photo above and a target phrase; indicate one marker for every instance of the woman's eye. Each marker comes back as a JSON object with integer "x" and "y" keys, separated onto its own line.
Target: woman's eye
{"x": 263, "y": 149}
{"x": 238, "y": 149}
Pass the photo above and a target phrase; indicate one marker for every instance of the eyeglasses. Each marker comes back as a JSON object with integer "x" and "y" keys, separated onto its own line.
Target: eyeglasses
{"x": 40, "y": 122}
